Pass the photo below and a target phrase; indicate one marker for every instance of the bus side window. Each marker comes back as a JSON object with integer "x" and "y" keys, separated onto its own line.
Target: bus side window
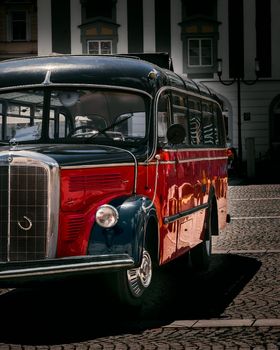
{"x": 195, "y": 123}
{"x": 219, "y": 126}
{"x": 180, "y": 112}
{"x": 209, "y": 124}
{"x": 163, "y": 116}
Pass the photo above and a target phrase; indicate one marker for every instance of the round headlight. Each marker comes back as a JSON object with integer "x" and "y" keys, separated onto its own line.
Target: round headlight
{"x": 107, "y": 216}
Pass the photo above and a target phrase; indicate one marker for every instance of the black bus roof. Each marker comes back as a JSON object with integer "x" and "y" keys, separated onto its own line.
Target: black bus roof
{"x": 110, "y": 70}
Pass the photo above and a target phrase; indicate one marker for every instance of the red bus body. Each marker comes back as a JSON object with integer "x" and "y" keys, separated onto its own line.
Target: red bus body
{"x": 176, "y": 193}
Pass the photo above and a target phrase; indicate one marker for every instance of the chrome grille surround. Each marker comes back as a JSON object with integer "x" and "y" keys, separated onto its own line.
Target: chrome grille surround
{"x": 29, "y": 202}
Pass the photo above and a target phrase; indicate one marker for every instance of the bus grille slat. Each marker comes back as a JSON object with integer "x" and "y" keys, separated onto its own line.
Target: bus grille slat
{"x": 3, "y": 212}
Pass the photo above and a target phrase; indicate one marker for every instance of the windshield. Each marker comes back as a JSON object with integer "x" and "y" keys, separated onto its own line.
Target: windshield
{"x": 73, "y": 115}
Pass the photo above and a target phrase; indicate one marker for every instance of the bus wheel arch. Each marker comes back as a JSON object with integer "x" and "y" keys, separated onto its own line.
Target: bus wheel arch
{"x": 152, "y": 239}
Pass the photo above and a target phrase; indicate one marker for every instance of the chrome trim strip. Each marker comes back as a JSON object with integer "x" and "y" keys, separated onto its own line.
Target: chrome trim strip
{"x": 147, "y": 164}
{"x": 172, "y": 218}
{"x": 168, "y": 162}
{"x": 140, "y": 164}
{"x": 191, "y": 160}
{"x": 89, "y": 166}
{"x": 201, "y": 159}
{"x": 185, "y": 160}
{"x": 111, "y": 87}
{"x": 9, "y": 208}
{"x": 191, "y": 149}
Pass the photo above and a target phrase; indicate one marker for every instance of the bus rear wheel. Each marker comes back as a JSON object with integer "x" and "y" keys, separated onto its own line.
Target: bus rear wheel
{"x": 201, "y": 254}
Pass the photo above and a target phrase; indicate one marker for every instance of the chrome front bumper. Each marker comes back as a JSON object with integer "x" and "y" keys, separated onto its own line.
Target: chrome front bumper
{"x": 37, "y": 270}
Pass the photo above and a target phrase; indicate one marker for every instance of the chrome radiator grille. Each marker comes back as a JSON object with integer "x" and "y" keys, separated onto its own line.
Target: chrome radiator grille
{"x": 24, "y": 210}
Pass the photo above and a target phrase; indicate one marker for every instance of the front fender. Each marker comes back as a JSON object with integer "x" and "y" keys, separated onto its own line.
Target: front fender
{"x": 128, "y": 235}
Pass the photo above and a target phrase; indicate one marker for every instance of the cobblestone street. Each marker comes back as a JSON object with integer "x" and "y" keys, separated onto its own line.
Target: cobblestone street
{"x": 236, "y": 305}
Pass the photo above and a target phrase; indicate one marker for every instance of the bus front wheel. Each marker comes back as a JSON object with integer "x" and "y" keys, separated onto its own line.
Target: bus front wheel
{"x": 130, "y": 285}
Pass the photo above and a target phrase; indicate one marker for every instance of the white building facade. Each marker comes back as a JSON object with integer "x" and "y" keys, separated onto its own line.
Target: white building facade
{"x": 195, "y": 34}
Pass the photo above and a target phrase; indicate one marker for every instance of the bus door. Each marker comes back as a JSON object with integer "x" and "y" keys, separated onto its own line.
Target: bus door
{"x": 190, "y": 172}
{"x": 167, "y": 182}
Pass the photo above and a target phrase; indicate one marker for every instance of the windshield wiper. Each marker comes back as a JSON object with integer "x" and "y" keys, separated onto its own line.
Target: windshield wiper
{"x": 111, "y": 126}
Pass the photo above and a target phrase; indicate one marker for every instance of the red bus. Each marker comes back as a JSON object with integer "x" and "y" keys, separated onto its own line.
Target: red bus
{"x": 108, "y": 164}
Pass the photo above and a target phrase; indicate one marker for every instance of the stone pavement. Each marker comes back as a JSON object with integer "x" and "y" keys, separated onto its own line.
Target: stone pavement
{"x": 236, "y": 305}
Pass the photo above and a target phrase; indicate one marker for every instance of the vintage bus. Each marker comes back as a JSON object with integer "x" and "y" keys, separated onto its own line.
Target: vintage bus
{"x": 108, "y": 164}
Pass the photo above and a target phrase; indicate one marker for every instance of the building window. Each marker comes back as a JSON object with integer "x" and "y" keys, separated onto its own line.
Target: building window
{"x": 18, "y": 26}
{"x": 99, "y": 47}
{"x": 200, "y": 35}
{"x": 99, "y": 30}
{"x": 200, "y": 52}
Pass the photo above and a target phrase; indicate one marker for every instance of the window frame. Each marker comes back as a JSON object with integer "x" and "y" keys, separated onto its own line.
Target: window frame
{"x": 99, "y": 46}
{"x": 11, "y": 22}
{"x": 200, "y": 65}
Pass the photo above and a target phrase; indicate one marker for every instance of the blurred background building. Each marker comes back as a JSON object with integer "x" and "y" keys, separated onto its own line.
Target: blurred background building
{"x": 232, "y": 46}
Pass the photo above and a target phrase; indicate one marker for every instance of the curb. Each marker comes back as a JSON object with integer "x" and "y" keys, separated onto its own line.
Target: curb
{"x": 271, "y": 322}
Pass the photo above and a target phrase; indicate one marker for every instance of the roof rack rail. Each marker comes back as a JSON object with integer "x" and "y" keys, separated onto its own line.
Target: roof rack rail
{"x": 161, "y": 59}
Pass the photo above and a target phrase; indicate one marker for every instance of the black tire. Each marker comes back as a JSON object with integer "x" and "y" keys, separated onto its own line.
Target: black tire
{"x": 200, "y": 255}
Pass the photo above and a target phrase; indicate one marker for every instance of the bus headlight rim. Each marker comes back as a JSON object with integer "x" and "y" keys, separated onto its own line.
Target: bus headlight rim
{"x": 106, "y": 216}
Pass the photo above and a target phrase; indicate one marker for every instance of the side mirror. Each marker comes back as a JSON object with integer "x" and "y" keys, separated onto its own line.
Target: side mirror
{"x": 176, "y": 134}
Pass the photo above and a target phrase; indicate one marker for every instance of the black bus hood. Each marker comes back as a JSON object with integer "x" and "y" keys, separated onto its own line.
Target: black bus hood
{"x": 78, "y": 155}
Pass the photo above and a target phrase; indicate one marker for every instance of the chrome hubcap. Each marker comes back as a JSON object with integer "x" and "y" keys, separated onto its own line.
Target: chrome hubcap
{"x": 140, "y": 278}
